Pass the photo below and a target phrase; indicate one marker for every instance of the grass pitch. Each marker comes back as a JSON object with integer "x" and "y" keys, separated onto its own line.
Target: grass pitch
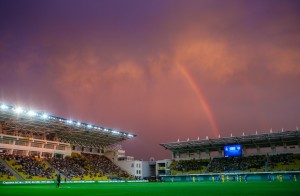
{"x": 153, "y": 189}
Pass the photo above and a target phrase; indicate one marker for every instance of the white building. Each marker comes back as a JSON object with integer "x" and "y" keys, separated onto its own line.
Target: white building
{"x": 138, "y": 168}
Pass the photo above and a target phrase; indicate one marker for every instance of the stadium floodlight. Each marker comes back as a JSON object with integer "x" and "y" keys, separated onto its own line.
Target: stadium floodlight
{"x": 45, "y": 116}
{"x": 31, "y": 113}
{"x": 116, "y": 132}
{"x": 4, "y": 107}
{"x": 130, "y": 135}
{"x": 18, "y": 110}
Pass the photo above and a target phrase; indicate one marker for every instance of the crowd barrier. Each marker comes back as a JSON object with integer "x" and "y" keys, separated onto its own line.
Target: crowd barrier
{"x": 67, "y": 182}
{"x": 233, "y": 176}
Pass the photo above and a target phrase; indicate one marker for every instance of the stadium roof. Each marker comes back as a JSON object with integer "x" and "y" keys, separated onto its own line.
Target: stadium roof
{"x": 27, "y": 122}
{"x": 288, "y": 138}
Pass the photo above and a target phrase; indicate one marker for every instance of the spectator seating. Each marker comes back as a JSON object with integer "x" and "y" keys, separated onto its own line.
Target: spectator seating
{"x": 5, "y": 174}
{"x": 101, "y": 165}
{"x": 192, "y": 166}
{"x": 69, "y": 167}
{"x": 284, "y": 162}
{"x": 30, "y": 168}
{"x": 248, "y": 164}
{"x": 88, "y": 167}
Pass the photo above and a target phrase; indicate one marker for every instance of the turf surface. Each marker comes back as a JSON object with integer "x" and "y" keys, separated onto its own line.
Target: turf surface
{"x": 152, "y": 189}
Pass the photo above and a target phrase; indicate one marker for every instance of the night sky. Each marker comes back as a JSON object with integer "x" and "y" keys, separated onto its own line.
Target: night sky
{"x": 162, "y": 69}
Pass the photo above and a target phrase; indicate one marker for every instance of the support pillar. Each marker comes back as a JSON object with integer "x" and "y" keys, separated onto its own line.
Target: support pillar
{"x": 285, "y": 147}
{"x": 245, "y": 151}
{"x": 273, "y": 148}
{"x": 207, "y": 153}
{"x": 220, "y": 152}
{"x": 199, "y": 154}
{"x": 258, "y": 149}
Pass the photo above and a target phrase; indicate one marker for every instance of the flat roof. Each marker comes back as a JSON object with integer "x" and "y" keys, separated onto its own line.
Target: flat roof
{"x": 288, "y": 138}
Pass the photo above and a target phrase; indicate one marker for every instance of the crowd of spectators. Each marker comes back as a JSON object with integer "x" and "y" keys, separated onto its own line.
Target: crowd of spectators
{"x": 30, "y": 166}
{"x": 189, "y": 165}
{"x": 4, "y": 172}
{"x": 280, "y": 158}
{"x": 91, "y": 166}
{"x": 284, "y": 162}
{"x": 226, "y": 164}
{"x": 101, "y": 164}
{"x": 69, "y": 167}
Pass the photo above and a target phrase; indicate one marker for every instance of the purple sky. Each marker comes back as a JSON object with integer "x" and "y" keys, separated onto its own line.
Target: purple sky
{"x": 119, "y": 64}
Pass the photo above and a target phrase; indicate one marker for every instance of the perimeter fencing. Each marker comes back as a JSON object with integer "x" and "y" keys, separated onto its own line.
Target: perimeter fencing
{"x": 233, "y": 176}
{"x": 67, "y": 182}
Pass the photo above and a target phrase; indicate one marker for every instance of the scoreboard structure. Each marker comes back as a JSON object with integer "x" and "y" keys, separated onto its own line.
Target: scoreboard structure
{"x": 233, "y": 150}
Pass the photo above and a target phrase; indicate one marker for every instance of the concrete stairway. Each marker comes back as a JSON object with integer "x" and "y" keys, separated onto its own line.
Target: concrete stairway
{"x": 11, "y": 170}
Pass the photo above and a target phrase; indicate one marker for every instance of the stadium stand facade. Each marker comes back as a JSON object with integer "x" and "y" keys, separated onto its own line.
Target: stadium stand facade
{"x": 263, "y": 156}
{"x": 37, "y": 146}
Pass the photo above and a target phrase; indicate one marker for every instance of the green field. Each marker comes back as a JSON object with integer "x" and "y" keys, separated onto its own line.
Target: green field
{"x": 152, "y": 189}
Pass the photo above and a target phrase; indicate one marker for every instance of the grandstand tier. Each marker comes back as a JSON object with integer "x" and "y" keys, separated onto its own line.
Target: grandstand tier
{"x": 288, "y": 140}
{"x": 38, "y": 146}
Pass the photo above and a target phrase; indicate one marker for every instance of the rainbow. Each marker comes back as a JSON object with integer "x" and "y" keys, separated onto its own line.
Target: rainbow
{"x": 200, "y": 96}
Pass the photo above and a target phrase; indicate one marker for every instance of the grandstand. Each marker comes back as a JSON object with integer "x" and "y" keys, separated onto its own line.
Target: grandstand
{"x": 289, "y": 140}
{"x": 261, "y": 155}
{"x": 36, "y": 146}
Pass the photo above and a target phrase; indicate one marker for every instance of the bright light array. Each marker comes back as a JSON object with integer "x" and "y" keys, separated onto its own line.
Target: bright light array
{"x": 4, "y": 107}
{"x": 116, "y": 132}
{"x": 44, "y": 116}
{"x": 130, "y": 135}
{"x": 18, "y": 110}
{"x": 31, "y": 113}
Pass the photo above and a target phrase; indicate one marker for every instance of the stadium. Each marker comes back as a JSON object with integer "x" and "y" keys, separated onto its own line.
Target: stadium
{"x": 35, "y": 147}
